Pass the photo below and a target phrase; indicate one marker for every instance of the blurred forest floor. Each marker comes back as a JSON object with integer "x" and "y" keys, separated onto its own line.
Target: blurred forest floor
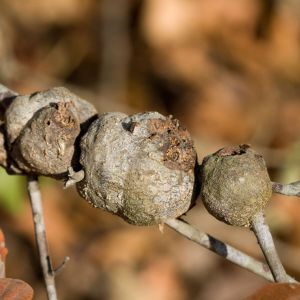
{"x": 229, "y": 70}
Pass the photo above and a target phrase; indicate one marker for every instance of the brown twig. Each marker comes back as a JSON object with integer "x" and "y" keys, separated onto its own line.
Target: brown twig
{"x": 266, "y": 243}
{"x": 40, "y": 235}
{"x": 228, "y": 252}
{"x": 291, "y": 189}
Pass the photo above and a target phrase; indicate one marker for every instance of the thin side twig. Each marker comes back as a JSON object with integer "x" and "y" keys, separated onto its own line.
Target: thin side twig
{"x": 266, "y": 243}
{"x": 291, "y": 189}
{"x": 228, "y": 252}
{"x": 62, "y": 266}
{"x": 40, "y": 235}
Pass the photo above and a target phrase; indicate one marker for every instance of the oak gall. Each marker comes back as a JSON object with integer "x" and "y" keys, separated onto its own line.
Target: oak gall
{"x": 235, "y": 184}
{"x": 140, "y": 167}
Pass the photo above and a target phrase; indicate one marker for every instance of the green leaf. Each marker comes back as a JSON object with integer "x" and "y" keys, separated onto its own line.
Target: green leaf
{"x": 12, "y": 192}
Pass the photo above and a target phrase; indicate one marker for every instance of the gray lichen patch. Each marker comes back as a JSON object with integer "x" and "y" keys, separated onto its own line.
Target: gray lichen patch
{"x": 235, "y": 184}
{"x": 128, "y": 171}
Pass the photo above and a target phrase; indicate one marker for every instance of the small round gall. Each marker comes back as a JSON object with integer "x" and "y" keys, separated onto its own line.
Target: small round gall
{"x": 42, "y": 130}
{"x": 235, "y": 184}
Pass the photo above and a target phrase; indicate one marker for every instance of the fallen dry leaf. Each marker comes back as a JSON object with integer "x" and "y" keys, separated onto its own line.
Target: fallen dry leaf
{"x": 15, "y": 289}
{"x": 277, "y": 291}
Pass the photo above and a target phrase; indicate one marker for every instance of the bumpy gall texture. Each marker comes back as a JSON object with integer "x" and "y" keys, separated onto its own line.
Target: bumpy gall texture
{"x": 23, "y": 108}
{"x": 46, "y": 145}
{"x": 140, "y": 167}
{"x": 42, "y": 130}
{"x": 235, "y": 184}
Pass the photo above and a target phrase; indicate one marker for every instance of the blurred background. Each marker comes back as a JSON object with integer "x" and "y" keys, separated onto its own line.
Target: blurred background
{"x": 229, "y": 70}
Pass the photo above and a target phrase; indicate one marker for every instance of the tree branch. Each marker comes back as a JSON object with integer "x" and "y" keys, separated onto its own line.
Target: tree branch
{"x": 266, "y": 243}
{"x": 235, "y": 256}
{"x": 203, "y": 239}
{"x": 40, "y": 235}
{"x": 291, "y": 189}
